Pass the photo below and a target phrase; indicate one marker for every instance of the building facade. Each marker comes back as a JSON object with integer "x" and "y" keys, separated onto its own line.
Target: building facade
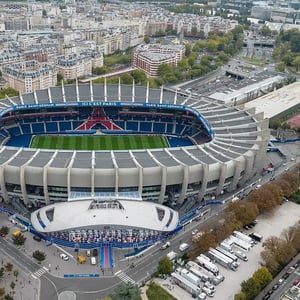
{"x": 29, "y": 76}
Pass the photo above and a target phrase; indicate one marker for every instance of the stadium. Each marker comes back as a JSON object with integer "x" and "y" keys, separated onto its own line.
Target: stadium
{"x": 110, "y": 142}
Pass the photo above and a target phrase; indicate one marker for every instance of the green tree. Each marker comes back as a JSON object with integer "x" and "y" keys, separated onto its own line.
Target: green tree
{"x": 240, "y": 296}
{"x": 44, "y": 13}
{"x": 139, "y": 76}
{"x": 19, "y": 240}
{"x": 60, "y": 78}
{"x": 16, "y": 274}
{"x": 165, "y": 266}
{"x": 39, "y": 255}
{"x": 8, "y": 297}
{"x": 146, "y": 39}
{"x": 1, "y": 272}
{"x": 4, "y": 230}
{"x": 126, "y": 291}
{"x": 126, "y": 79}
{"x": 262, "y": 276}
{"x": 296, "y": 63}
{"x": 250, "y": 288}
{"x": 12, "y": 285}
{"x": 163, "y": 70}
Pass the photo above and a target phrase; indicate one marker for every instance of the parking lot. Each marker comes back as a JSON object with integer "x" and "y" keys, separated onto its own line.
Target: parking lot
{"x": 268, "y": 225}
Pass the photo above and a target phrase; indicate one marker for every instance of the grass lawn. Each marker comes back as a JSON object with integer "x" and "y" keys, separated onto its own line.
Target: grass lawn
{"x": 156, "y": 292}
{"x": 99, "y": 142}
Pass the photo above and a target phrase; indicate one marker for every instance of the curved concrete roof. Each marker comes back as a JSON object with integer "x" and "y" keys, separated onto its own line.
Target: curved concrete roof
{"x": 93, "y": 213}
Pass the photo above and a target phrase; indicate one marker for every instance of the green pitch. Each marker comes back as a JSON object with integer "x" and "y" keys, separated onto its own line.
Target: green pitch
{"x": 99, "y": 142}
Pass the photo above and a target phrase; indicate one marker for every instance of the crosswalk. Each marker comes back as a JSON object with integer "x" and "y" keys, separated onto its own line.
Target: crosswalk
{"x": 124, "y": 277}
{"x": 39, "y": 272}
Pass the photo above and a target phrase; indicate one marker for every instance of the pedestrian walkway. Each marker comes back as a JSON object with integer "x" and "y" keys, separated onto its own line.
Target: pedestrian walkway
{"x": 106, "y": 257}
{"x": 39, "y": 273}
{"x": 124, "y": 277}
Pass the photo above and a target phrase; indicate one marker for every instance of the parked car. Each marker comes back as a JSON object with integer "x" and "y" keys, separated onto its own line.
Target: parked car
{"x": 95, "y": 252}
{"x": 2, "y": 234}
{"x": 37, "y": 238}
{"x": 64, "y": 256}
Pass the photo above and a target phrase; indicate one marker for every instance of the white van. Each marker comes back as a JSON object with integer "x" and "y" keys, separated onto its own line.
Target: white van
{"x": 93, "y": 260}
{"x": 184, "y": 247}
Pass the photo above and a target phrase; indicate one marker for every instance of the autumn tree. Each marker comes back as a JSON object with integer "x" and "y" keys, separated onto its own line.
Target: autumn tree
{"x": 292, "y": 236}
{"x": 206, "y": 241}
{"x": 8, "y": 267}
{"x": 285, "y": 187}
{"x": 277, "y": 253}
{"x": 239, "y": 213}
{"x": 264, "y": 200}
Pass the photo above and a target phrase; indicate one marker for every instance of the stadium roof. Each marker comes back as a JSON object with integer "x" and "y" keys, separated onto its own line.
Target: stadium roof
{"x": 277, "y": 102}
{"x": 93, "y": 213}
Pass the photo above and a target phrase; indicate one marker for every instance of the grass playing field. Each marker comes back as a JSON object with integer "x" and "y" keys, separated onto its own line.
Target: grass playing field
{"x": 99, "y": 142}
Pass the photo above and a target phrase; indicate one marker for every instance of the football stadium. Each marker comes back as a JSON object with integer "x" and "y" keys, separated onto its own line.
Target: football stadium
{"x": 95, "y": 149}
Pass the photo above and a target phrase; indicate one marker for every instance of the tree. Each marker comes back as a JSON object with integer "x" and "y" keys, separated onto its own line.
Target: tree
{"x": 240, "y": 296}
{"x": 39, "y": 255}
{"x": 2, "y": 292}
{"x": 126, "y": 291}
{"x": 264, "y": 200}
{"x": 12, "y": 285}
{"x": 250, "y": 288}
{"x": 59, "y": 79}
{"x": 296, "y": 63}
{"x": 292, "y": 236}
{"x": 277, "y": 253}
{"x": 285, "y": 187}
{"x": 19, "y": 240}
{"x": 8, "y": 297}
{"x": 8, "y": 267}
{"x": 165, "y": 266}
{"x": 139, "y": 76}
{"x": 206, "y": 241}
{"x": 44, "y": 13}
{"x": 1, "y": 272}
{"x": 262, "y": 276}
{"x": 126, "y": 79}
{"x": 163, "y": 70}
{"x": 146, "y": 39}
{"x": 4, "y": 230}
{"x": 16, "y": 274}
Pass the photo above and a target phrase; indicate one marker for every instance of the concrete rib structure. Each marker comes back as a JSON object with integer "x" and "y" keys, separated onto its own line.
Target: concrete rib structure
{"x": 234, "y": 154}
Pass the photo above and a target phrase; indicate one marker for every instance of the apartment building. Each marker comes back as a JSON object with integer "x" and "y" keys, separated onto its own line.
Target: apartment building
{"x": 150, "y": 57}
{"x": 28, "y": 76}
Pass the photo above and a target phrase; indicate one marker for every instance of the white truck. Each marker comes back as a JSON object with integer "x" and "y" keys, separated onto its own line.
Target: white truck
{"x": 222, "y": 259}
{"x": 194, "y": 279}
{"x": 183, "y": 247}
{"x": 172, "y": 255}
{"x": 229, "y": 254}
{"x": 240, "y": 254}
{"x": 207, "y": 264}
{"x": 233, "y": 240}
{"x": 243, "y": 237}
{"x": 206, "y": 273}
{"x": 226, "y": 246}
